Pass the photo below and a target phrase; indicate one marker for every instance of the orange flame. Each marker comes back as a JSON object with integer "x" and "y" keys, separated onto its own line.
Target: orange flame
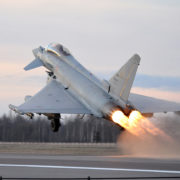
{"x": 136, "y": 123}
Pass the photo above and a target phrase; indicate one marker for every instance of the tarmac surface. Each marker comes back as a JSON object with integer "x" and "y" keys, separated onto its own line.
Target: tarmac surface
{"x": 68, "y": 166}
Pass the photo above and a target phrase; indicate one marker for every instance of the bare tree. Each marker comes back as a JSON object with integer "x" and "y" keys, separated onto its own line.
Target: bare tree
{"x": 20, "y": 129}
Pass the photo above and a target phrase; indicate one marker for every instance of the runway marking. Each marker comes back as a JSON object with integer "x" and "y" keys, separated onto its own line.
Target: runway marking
{"x": 91, "y": 168}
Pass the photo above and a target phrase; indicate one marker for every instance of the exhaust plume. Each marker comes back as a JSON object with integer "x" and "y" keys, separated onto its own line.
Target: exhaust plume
{"x": 161, "y": 137}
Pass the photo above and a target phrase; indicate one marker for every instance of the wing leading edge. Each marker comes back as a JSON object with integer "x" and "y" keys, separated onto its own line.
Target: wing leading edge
{"x": 147, "y": 104}
{"x": 53, "y": 98}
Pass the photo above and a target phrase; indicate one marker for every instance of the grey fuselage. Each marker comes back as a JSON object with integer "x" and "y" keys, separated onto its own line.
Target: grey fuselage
{"x": 88, "y": 89}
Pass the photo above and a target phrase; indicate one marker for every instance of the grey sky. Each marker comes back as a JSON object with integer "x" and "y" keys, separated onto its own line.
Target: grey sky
{"x": 101, "y": 34}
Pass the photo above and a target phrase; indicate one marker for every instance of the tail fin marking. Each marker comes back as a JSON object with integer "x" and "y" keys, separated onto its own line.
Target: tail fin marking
{"x": 122, "y": 81}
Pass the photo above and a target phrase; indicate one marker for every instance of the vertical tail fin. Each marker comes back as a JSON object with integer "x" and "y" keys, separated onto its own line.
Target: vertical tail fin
{"x": 121, "y": 82}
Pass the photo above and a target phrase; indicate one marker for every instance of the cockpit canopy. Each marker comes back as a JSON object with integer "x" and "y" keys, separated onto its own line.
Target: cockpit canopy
{"x": 58, "y": 49}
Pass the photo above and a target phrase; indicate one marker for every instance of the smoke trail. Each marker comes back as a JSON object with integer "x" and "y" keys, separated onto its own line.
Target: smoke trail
{"x": 165, "y": 143}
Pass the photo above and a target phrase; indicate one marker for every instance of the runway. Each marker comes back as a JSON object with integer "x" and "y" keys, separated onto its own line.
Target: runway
{"x": 63, "y": 166}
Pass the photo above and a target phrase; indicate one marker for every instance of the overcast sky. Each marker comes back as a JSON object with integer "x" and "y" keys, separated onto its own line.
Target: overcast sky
{"x": 101, "y": 34}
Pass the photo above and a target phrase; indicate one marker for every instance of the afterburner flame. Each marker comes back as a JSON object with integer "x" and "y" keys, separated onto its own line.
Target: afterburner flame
{"x": 128, "y": 123}
{"x": 136, "y": 123}
{"x": 119, "y": 118}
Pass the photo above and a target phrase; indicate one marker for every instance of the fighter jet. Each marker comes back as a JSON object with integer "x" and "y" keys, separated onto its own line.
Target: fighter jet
{"x": 72, "y": 89}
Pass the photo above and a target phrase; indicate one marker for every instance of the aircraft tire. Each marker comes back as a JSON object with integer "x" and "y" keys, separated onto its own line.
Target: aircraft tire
{"x": 55, "y": 124}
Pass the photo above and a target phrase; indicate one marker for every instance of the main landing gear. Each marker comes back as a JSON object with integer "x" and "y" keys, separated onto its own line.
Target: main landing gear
{"x": 55, "y": 124}
{"x": 55, "y": 121}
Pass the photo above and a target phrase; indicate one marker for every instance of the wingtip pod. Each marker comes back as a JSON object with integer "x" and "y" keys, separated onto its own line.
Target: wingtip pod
{"x": 136, "y": 58}
{"x": 14, "y": 108}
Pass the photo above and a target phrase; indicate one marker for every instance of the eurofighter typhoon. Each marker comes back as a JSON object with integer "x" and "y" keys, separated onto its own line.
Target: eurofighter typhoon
{"x": 72, "y": 89}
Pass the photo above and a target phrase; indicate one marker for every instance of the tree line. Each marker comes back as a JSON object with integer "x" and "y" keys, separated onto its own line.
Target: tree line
{"x": 76, "y": 129}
